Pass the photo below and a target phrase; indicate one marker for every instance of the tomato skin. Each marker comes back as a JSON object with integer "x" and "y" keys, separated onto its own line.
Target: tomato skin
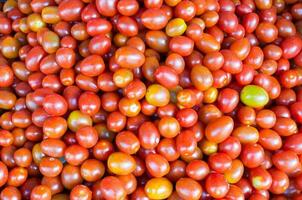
{"x": 220, "y": 129}
{"x": 220, "y": 162}
{"x": 216, "y": 185}
{"x": 123, "y": 54}
{"x": 186, "y": 143}
{"x": 201, "y": 77}
{"x": 157, "y": 165}
{"x": 98, "y": 26}
{"x": 70, "y": 11}
{"x": 280, "y": 181}
{"x": 228, "y": 21}
{"x": 296, "y": 111}
{"x": 106, "y": 8}
{"x": 154, "y": 19}
{"x": 166, "y": 76}
{"x": 270, "y": 139}
{"x": 260, "y": 178}
{"x": 252, "y": 155}
{"x": 184, "y": 188}
{"x": 181, "y": 45}
{"x": 250, "y": 22}
{"x": 293, "y": 143}
{"x": 287, "y": 124}
{"x": 291, "y": 47}
{"x": 148, "y": 135}
{"x": 286, "y": 160}
{"x": 228, "y": 100}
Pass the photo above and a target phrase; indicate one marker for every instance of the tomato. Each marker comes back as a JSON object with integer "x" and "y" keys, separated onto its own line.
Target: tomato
{"x": 291, "y": 47}
{"x": 260, "y": 178}
{"x": 157, "y": 165}
{"x": 286, "y": 160}
{"x": 227, "y": 100}
{"x": 220, "y": 162}
{"x": 158, "y": 188}
{"x": 188, "y": 188}
{"x": 280, "y": 181}
{"x": 254, "y": 96}
{"x": 252, "y": 155}
{"x": 220, "y": 129}
{"x": 216, "y": 185}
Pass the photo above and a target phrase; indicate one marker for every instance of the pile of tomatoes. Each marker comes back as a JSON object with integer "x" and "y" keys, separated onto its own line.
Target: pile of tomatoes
{"x": 151, "y": 99}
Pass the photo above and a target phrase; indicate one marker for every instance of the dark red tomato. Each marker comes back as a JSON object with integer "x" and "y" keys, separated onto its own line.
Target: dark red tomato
{"x": 252, "y": 155}
{"x": 216, "y": 185}
{"x": 296, "y": 111}
{"x": 294, "y": 143}
{"x": 166, "y": 76}
{"x": 269, "y": 83}
{"x": 227, "y": 100}
{"x": 291, "y": 46}
{"x": 34, "y": 57}
{"x": 231, "y": 146}
{"x": 148, "y": 135}
{"x": 228, "y": 21}
{"x": 213, "y": 60}
{"x": 286, "y": 160}
{"x": 246, "y": 75}
{"x": 127, "y": 26}
{"x": 250, "y": 22}
{"x": 167, "y": 148}
{"x": 89, "y": 12}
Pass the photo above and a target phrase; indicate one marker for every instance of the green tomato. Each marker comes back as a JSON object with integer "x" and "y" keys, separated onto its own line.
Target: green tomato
{"x": 254, "y": 96}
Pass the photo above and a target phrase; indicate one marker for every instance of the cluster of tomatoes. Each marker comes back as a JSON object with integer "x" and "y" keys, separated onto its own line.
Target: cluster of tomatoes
{"x": 150, "y": 99}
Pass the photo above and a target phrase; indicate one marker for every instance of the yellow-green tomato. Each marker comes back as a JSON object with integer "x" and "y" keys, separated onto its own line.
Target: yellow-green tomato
{"x": 158, "y": 188}
{"x": 254, "y": 96}
{"x": 176, "y": 27}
